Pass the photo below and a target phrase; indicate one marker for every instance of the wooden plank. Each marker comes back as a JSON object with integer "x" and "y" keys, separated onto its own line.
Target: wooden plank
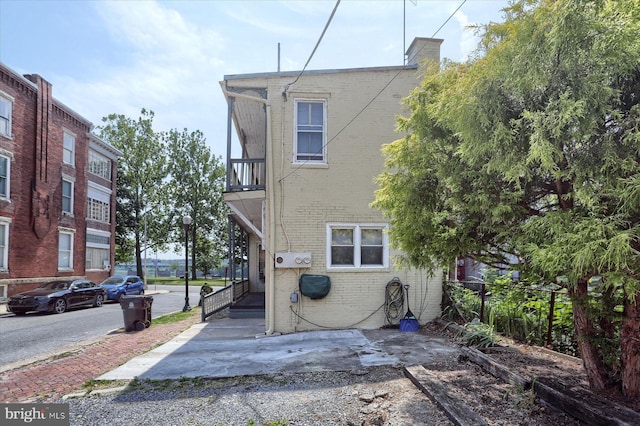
{"x": 495, "y": 369}
{"x": 592, "y": 412}
{"x": 458, "y": 412}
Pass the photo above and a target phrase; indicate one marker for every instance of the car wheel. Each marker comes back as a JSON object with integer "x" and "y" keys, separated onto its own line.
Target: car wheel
{"x": 99, "y": 300}
{"x": 59, "y": 306}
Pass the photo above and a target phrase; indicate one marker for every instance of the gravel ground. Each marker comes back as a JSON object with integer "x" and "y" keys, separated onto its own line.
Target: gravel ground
{"x": 376, "y": 396}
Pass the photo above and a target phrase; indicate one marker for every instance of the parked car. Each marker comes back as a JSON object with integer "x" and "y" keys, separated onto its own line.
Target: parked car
{"x": 57, "y": 296}
{"x": 119, "y": 286}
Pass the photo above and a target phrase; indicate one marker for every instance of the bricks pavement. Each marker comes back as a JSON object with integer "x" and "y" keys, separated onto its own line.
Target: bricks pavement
{"x": 50, "y": 379}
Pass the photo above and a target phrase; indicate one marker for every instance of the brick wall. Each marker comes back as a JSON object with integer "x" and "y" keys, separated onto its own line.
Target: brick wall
{"x": 35, "y": 206}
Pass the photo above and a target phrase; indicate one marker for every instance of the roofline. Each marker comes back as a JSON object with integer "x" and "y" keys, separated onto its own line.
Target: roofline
{"x": 274, "y": 74}
{"x": 34, "y": 86}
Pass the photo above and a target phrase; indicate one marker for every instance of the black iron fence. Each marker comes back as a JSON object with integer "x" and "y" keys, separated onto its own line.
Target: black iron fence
{"x": 536, "y": 314}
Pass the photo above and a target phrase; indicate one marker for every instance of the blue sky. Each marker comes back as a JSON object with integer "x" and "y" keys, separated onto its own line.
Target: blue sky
{"x": 106, "y": 57}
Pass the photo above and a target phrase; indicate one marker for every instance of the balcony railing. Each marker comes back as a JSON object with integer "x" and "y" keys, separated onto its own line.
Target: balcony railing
{"x": 246, "y": 174}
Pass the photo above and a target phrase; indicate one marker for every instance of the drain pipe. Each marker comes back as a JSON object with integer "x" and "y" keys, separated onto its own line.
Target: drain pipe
{"x": 271, "y": 314}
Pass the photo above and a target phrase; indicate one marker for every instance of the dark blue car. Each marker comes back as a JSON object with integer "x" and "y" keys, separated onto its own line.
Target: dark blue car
{"x": 119, "y": 286}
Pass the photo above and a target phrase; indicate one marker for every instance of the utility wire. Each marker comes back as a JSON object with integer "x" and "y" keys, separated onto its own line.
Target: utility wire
{"x": 298, "y": 167}
{"x": 326, "y": 26}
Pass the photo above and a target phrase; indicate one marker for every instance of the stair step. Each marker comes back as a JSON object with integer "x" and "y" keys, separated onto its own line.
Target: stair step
{"x": 246, "y": 313}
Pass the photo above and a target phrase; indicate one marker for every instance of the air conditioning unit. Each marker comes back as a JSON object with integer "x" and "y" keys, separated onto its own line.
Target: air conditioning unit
{"x": 293, "y": 260}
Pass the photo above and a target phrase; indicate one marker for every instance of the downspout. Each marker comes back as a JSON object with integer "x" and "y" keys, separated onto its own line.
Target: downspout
{"x": 271, "y": 315}
{"x": 270, "y": 291}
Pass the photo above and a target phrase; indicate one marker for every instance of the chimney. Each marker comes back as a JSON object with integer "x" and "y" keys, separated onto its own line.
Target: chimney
{"x": 422, "y": 48}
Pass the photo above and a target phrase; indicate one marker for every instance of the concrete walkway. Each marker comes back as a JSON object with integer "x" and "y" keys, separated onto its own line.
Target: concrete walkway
{"x": 237, "y": 347}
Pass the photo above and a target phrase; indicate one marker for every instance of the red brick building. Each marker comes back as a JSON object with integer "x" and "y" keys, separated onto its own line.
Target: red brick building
{"x": 57, "y": 189}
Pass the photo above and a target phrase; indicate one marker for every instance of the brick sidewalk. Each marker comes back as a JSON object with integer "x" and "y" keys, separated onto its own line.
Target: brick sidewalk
{"x": 49, "y": 380}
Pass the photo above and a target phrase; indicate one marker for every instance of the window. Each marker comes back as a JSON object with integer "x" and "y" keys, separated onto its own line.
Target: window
{"x": 5, "y": 176}
{"x": 67, "y": 196}
{"x": 68, "y": 148}
{"x": 98, "y": 249}
{"x": 357, "y": 246}
{"x": 99, "y": 165}
{"x": 98, "y": 205}
{"x": 65, "y": 249}
{"x": 97, "y": 258}
{"x": 4, "y": 243}
{"x": 6, "y": 105}
{"x": 310, "y": 134}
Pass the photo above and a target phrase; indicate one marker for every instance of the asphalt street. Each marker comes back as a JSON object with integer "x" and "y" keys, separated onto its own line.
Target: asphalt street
{"x": 35, "y": 334}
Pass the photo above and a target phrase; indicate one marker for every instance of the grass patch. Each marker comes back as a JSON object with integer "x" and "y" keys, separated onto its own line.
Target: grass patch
{"x": 176, "y": 316}
{"x": 91, "y": 385}
{"x": 213, "y": 282}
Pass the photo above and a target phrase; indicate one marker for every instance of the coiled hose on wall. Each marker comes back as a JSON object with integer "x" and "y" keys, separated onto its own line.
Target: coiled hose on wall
{"x": 394, "y": 301}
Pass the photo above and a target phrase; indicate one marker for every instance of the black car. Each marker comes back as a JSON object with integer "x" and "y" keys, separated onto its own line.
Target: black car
{"x": 57, "y": 296}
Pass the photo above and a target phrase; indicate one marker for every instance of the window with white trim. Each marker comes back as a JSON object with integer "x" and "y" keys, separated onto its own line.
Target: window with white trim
{"x": 6, "y": 105}
{"x": 65, "y": 249}
{"x": 98, "y": 205}
{"x": 357, "y": 246}
{"x": 68, "y": 148}
{"x": 4, "y": 243}
{"x": 99, "y": 165}
{"x": 67, "y": 196}
{"x": 98, "y": 249}
{"x": 310, "y": 144}
{"x": 5, "y": 176}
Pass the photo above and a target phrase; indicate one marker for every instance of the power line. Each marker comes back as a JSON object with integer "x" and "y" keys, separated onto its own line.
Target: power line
{"x": 326, "y": 26}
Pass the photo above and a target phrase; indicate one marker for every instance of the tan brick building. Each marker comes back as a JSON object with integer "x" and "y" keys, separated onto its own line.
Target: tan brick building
{"x": 301, "y": 170}
{"x": 57, "y": 189}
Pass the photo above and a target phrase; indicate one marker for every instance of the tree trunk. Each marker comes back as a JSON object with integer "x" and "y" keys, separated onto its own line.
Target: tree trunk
{"x": 630, "y": 347}
{"x": 593, "y": 365}
{"x": 138, "y": 256}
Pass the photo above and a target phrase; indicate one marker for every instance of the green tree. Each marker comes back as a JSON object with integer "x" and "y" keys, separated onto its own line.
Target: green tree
{"x": 532, "y": 148}
{"x": 141, "y": 171}
{"x": 195, "y": 185}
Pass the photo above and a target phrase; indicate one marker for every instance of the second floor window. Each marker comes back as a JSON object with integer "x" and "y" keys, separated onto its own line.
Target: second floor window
{"x": 5, "y": 176}
{"x": 98, "y": 203}
{"x": 68, "y": 149}
{"x": 67, "y": 196}
{"x": 5, "y": 116}
{"x": 98, "y": 210}
{"x": 310, "y": 135}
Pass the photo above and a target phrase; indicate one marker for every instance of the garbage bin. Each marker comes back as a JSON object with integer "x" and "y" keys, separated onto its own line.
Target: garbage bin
{"x": 136, "y": 311}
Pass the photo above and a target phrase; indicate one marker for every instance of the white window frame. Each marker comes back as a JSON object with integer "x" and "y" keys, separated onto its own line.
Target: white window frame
{"x": 98, "y": 203}
{"x": 323, "y": 130}
{"x": 4, "y": 243}
{"x": 92, "y": 246}
{"x": 357, "y": 245}
{"x": 69, "y": 147}
{"x": 99, "y": 165}
{"x": 7, "y": 188}
{"x": 5, "y": 130}
{"x": 71, "y": 181}
{"x": 68, "y": 233}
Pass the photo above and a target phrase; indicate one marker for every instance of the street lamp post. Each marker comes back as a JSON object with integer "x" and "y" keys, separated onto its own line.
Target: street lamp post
{"x": 186, "y": 220}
